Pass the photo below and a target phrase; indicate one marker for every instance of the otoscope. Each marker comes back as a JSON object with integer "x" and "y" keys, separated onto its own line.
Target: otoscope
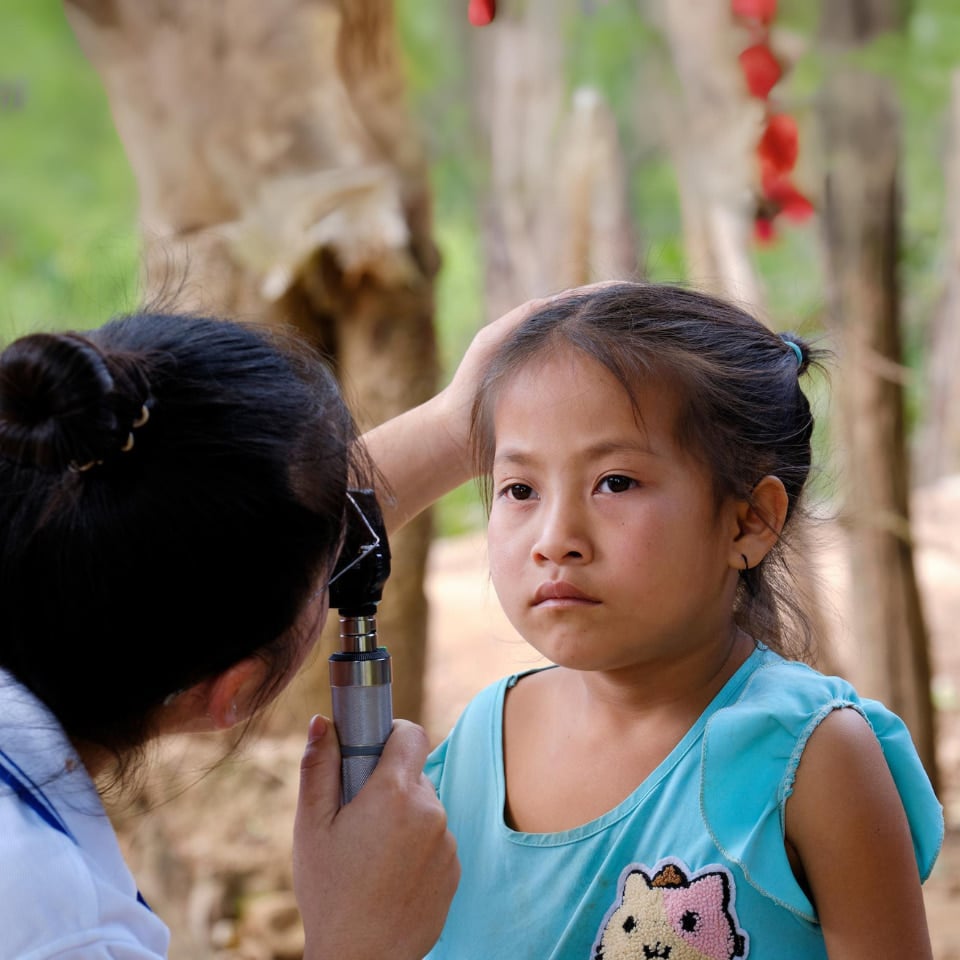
{"x": 360, "y": 674}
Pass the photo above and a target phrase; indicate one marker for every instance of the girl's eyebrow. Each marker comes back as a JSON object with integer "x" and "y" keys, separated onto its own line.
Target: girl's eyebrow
{"x": 621, "y": 446}
{"x": 520, "y": 457}
{"x": 511, "y": 456}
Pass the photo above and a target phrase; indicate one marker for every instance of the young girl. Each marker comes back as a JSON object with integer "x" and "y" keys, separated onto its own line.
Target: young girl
{"x": 676, "y": 785}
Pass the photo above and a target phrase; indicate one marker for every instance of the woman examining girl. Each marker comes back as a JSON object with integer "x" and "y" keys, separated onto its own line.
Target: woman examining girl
{"x": 678, "y": 785}
{"x": 172, "y": 503}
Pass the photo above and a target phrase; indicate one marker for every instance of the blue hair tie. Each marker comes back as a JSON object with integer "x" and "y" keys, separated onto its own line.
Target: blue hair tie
{"x": 796, "y": 349}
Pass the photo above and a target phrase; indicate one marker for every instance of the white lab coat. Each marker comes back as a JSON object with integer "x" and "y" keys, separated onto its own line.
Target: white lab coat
{"x": 65, "y": 891}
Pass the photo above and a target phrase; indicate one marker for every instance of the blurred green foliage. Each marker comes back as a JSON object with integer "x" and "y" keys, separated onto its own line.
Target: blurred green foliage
{"x": 68, "y": 244}
{"x": 68, "y": 206}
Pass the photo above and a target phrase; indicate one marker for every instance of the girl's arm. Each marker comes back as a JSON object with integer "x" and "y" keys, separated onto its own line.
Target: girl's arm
{"x": 423, "y": 453}
{"x": 848, "y": 828}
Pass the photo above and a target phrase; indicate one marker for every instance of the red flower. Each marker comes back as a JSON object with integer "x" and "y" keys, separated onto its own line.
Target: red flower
{"x": 481, "y": 12}
{"x": 762, "y": 10}
{"x": 760, "y": 69}
{"x": 783, "y": 197}
{"x": 764, "y": 232}
{"x": 779, "y": 145}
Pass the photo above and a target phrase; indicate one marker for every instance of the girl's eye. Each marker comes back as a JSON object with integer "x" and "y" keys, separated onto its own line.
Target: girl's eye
{"x": 616, "y": 484}
{"x": 518, "y": 491}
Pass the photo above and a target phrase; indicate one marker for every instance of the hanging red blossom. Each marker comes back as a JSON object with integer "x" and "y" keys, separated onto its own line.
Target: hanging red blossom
{"x": 764, "y": 232}
{"x": 761, "y": 70}
{"x": 779, "y": 146}
{"x": 783, "y": 197}
{"x": 481, "y": 12}
{"x": 762, "y": 10}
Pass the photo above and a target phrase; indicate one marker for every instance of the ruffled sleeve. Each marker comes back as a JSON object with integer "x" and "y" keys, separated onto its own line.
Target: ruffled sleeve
{"x": 433, "y": 768}
{"x": 751, "y": 750}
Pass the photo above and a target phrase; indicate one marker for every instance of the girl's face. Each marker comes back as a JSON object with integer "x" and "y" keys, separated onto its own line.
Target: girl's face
{"x": 607, "y": 548}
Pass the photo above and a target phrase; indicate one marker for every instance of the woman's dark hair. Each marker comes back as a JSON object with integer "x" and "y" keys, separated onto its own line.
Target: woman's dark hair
{"x": 171, "y": 489}
{"x": 742, "y": 413}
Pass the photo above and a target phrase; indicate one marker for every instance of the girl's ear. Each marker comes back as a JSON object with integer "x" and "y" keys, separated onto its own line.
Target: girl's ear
{"x": 759, "y": 523}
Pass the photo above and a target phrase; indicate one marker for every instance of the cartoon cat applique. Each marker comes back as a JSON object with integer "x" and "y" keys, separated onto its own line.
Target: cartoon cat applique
{"x": 670, "y": 913}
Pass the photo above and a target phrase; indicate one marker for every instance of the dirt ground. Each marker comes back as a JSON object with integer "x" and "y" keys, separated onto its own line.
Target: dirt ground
{"x": 471, "y": 644}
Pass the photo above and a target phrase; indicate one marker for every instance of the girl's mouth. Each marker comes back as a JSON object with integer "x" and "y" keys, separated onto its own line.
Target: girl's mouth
{"x": 557, "y": 592}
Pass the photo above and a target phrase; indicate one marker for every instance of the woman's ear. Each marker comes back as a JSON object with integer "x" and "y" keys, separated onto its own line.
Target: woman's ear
{"x": 233, "y": 692}
{"x": 218, "y": 703}
{"x": 759, "y": 523}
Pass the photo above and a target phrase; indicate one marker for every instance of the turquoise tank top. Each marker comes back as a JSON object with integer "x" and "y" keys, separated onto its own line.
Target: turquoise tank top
{"x": 691, "y": 866}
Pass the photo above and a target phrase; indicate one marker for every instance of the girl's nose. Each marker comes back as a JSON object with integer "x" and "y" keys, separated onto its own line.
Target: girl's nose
{"x": 563, "y": 537}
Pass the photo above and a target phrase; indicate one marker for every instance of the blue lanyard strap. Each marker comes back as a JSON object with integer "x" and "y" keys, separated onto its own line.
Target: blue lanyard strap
{"x": 36, "y": 799}
{"x": 30, "y": 793}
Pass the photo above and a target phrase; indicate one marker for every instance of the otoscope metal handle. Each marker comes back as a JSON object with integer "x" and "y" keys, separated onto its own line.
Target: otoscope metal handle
{"x": 363, "y": 714}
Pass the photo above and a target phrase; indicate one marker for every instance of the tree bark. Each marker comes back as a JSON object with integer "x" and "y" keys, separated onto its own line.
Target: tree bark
{"x": 518, "y": 68}
{"x": 711, "y": 134}
{"x": 555, "y": 209}
{"x": 939, "y": 447}
{"x": 860, "y": 120}
{"x": 281, "y": 178}
{"x": 595, "y": 236}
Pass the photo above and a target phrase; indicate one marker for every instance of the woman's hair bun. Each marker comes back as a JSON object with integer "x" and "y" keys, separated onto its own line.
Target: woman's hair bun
{"x": 58, "y": 402}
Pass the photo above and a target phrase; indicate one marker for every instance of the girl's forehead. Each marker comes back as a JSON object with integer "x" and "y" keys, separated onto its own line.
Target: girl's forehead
{"x": 569, "y": 380}
{"x": 576, "y": 369}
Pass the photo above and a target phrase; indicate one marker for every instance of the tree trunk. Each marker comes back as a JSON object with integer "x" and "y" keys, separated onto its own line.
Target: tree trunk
{"x": 939, "y": 448}
{"x": 518, "y": 68}
{"x": 862, "y": 231}
{"x": 595, "y": 236}
{"x": 556, "y": 212}
{"x": 280, "y": 177}
{"x": 711, "y": 134}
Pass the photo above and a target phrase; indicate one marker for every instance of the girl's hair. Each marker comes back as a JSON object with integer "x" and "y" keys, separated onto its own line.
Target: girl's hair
{"x": 742, "y": 413}
{"x": 171, "y": 489}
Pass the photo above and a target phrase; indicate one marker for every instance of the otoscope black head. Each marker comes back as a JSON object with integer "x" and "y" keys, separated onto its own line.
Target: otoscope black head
{"x": 356, "y": 585}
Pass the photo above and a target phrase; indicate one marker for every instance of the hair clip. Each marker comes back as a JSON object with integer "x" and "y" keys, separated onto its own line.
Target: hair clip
{"x": 143, "y": 416}
{"x": 141, "y": 419}
{"x": 75, "y": 467}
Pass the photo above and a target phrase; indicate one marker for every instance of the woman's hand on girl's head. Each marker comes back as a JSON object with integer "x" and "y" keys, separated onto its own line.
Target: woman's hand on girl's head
{"x": 463, "y": 386}
{"x": 459, "y": 394}
{"x": 424, "y": 453}
{"x": 374, "y": 878}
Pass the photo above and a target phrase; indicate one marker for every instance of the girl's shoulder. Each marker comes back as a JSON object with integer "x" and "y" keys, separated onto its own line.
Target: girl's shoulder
{"x": 478, "y": 729}
{"x": 753, "y": 746}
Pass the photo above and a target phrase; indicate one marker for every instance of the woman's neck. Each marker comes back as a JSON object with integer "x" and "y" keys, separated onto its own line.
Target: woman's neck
{"x": 96, "y": 759}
